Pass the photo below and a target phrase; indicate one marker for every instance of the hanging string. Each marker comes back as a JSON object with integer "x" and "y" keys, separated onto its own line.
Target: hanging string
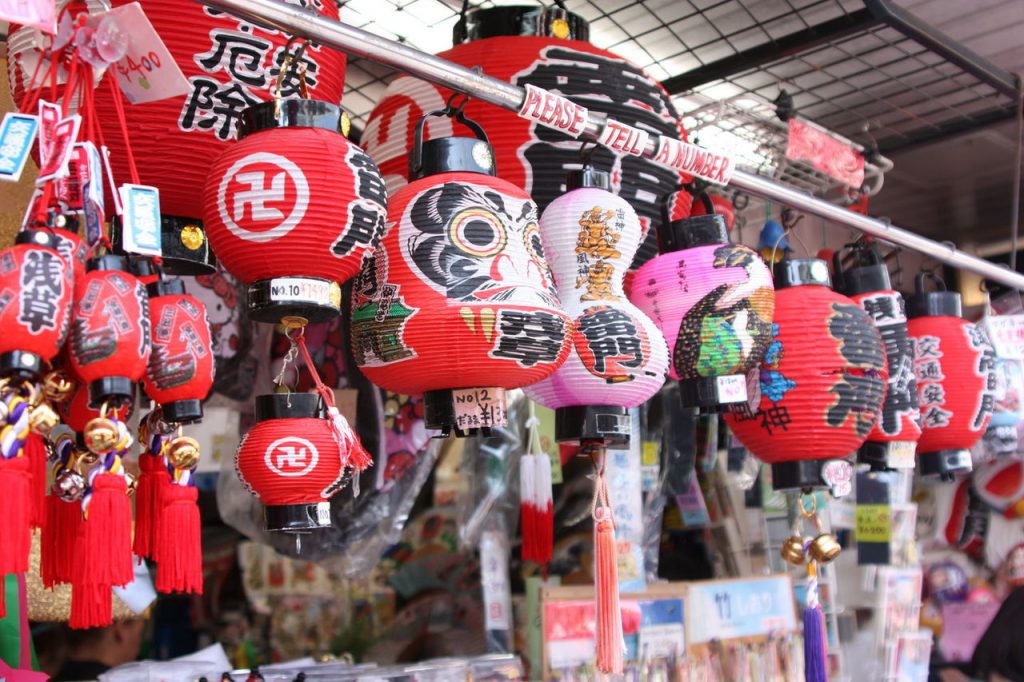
{"x": 118, "y": 97}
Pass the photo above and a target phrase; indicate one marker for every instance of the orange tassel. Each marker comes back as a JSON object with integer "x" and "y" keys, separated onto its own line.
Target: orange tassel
{"x": 610, "y": 642}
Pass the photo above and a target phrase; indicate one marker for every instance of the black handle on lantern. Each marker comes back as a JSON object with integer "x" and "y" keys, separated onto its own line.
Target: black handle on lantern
{"x": 456, "y": 113}
{"x": 919, "y": 280}
{"x": 930, "y": 303}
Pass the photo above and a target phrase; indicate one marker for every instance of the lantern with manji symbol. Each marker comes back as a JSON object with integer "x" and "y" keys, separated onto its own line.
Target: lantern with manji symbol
{"x": 180, "y": 372}
{"x": 458, "y": 302}
{"x": 893, "y": 441}
{"x": 110, "y": 331}
{"x": 546, "y": 47}
{"x": 291, "y": 461}
{"x": 821, "y": 383}
{"x": 954, "y": 364}
{"x": 714, "y": 303}
{"x": 619, "y": 356}
{"x": 36, "y": 289}
{"x": 292, "y": 209}
{"x": 230, "y": 64}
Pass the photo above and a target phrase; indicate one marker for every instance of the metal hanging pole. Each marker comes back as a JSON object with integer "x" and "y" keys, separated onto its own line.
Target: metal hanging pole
{"x": 306, "y": 23}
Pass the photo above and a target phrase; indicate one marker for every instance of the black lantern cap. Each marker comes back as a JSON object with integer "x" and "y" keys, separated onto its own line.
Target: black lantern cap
{"x": 453, "y": 155}
{"x": 870, "y": 274}
{"x": 939, "y": 302}
{"x": 108, "y": 262}
{"x": 37, "y": 237}
{"x": 185, "y": 411}
{"x": 184, "y": 248}
{"x": 290, "y": 113}
{"x": 520, "y": 20}
{"x": 588, "y": 177}
{"x": 692, "y": 232}
{"x": 795, "y": 272}
{"x": 289, "y": 406}
{"x": 165, "y": 287}
{"x": 607, "y": 424}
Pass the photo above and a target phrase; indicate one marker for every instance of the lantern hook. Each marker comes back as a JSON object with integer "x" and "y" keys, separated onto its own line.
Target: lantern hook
{"x": 292, "y": 62}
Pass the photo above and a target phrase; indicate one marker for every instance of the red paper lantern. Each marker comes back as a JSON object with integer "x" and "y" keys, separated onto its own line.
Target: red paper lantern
{"x": 230, "y": 64}
{"x": 110, "y": 332}
{"x": 36, "y": 288}
{"x": 291, "y": 460}
{"x": 180, "y": 372}
{"x": 893, "y": 441}
{"x": 715, "y": 203}
{"x": 714, "y": 302}
{"x": 546, "y": 47}
{"x": 293, "y": 208}
{"x": 459, "y": 303}
{"x": 954, "y": 365}
{"x": 822, "y": 381}
{"x": 1000, "y": 484}
{"x": 73, "y": 250}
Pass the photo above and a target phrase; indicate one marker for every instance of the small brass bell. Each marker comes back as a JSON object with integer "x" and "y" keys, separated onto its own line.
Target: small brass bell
{"x": 183, "y": 452}
{"x": 42, "y": 420}
{"x": 131, "y": 482}
{"x": 69, "y": 485}
{"x": 793, "y": 550}
{"x": 101, "y": 435}
{"x": 57, "y": 386}
{"x": 824, "y": 548}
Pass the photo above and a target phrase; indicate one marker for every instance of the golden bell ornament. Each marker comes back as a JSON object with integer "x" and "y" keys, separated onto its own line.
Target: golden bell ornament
{"x": 57, "y": 386}
{"x": 824, "y": 548}
{"x": 101, "y": 435}
{"x": 183, "y": 452}
{"x": 792, "y": 550}
{"x": 42, "y": 420}
{"x": 69, "y": 485}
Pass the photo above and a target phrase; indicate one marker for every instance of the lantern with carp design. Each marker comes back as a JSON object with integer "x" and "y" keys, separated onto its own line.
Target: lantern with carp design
{"x": 619, "y": 358}
{"x": 820, "y": 386}
{"x": 458, "y": 302}
{"x": 293, "y": 209}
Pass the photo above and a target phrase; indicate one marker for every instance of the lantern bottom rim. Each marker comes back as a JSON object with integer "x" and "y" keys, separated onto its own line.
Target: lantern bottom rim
{"x": 945, "y": 463}
{"x": 297, "y": 518}
{"x": 21, "y": 364}
{"x": 186, "y": 411}
{"x": 711, "y": 394}
{"x": 313, "y": 298}
{"x": 804, "y": 474}
{"x": 116, "y": 390}
{"x": 607, "y": 424}
{"x": 886, "y": 455}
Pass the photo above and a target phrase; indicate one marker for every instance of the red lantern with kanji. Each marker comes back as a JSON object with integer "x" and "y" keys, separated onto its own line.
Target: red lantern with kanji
{"x": 292, "y": 461}
{"x": 230, "y": 64}
{"x": 110, "y": 332}
{"x": 893, "y": 441}
{"x": 821, "y": 384}
{"x": 708, "y": 203}
{"x": 36, "y": 288}
{"x": 458, "y": 302}
{"x": 180, "y": 372}
{"x": 547, "y": 47}
{"x": 293, "y": 208}
{"x": 954, "y": 364}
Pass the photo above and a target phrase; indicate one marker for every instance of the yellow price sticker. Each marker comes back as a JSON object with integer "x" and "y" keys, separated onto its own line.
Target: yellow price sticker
{"x": 874, "y": 523}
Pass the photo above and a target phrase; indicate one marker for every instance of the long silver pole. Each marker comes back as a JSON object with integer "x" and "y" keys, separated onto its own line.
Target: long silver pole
{"x": 306, "y": 23}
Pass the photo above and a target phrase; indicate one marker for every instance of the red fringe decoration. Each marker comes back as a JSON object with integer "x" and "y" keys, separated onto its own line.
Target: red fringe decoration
{"x": 152, "y": 478}
{"x": 103, "y": 553}
{"x": 16, "y": 513}
{"x": 178, "y": 541}
{"x": 63, "y": 523}
{"x": 35, "y": 450}
{"x": 92, "y": 606}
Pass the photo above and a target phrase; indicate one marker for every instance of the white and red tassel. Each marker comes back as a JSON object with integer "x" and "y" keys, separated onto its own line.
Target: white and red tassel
{"x": 537, "y": 508}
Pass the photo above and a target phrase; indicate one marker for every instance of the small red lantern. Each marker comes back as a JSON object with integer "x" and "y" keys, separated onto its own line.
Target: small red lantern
{"x": 893, "y": 441}
{"x": 459, "y": 303}
{"x": 292, "y": 209}
{"x": 292, "y": 461}
{"x": 619, "y": 356}
{"x": 708, "y": 203}
{"x": 36, "y": 288}
{"x": 180, "y": 372}
{"x": 73, "y": 250}
{"x": 546, "y": 47}
{"x": 110, "y": 331}
{"x": 822, "y": 382}
{"x": 714, "y": 303}
{"x": 954, "y": 364}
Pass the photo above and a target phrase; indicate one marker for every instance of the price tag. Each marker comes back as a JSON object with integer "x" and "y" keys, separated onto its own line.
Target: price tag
{"x": 57, "y": 137}
{"x": 41, "y": 14}
{"x": 140, "y": 223}
{"x": 650, "y": 464}
{"x": 1007, "y": 335}
{"x": 308, "y": 290}
{"x": 693, "y": 160}
{"x": 147, "y": 72}
{"x": 901, "y": 454}
{"x": 477, "y": 408}
{"x": 622, "y": 138}
{"x": 662, "y": 641}
{"x": 553, "y": 111}
{"x": 730, "y": 609}
{"x": 17, "y": 133}
{"x": 732, "y": 388}
{"x": 874, "y": 523}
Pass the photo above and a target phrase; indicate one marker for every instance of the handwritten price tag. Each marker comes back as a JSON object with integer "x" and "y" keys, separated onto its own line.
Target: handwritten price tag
{"x": 147, "y": 72}
{"x": 477, "y": 408}
{"x": 1007, "y": 335}
{"x": 874, "y": 523}
{"x": 732, "y": 388}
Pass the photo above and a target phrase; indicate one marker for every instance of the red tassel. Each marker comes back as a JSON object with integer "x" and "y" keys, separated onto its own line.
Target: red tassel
{"x": 178, "y": 542}
{"x": 35, "y": 450}
{"x": 103, "y": 553}
{"x": 152, "y": 478}
{"x": 16, "y": 513}
{"x": 610, "y": 643}
{"x": 63, "y": 523}
{"x": 92, "y": 606}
